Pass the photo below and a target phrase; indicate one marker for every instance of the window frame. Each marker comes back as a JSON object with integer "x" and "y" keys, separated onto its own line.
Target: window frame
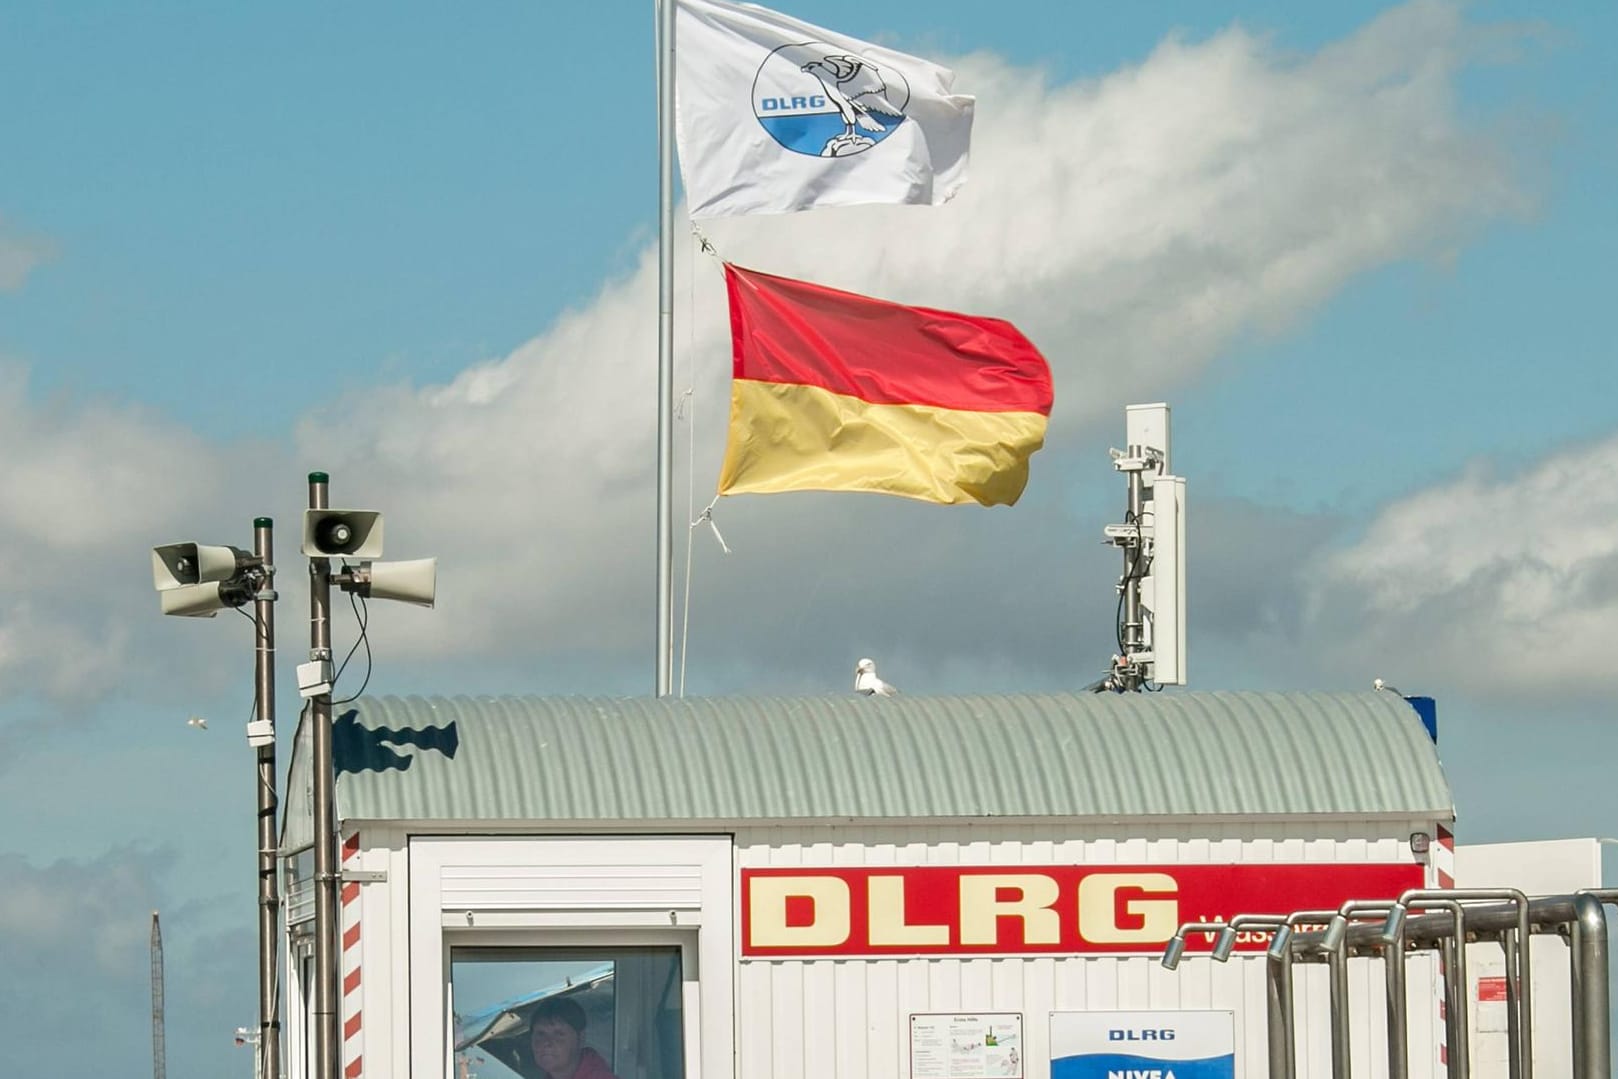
{"x": 701, "y": 925}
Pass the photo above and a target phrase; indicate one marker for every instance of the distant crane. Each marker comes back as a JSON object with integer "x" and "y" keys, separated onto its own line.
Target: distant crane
{"x": 159, "y": 1065}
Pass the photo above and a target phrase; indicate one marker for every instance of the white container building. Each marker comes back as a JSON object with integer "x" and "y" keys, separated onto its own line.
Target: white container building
{"x": 847, "y": 887}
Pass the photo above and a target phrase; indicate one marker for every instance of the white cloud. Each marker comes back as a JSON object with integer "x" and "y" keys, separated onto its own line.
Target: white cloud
{"x": 19, "y": 255}
{"x": 87, "y": 487}
{"x": 1498, "y": 584}
{"x": 79, "y": 472}
{"x": 95, "y": 910}
{"x": 1134, "y": 226}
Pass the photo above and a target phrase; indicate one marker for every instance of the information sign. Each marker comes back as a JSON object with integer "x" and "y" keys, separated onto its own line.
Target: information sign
{"x": 954, "y": 1046}
{"x": 1143, "y": 1045}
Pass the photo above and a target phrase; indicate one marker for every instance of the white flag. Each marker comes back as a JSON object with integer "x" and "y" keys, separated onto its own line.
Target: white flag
{"x": 774, "y": 115}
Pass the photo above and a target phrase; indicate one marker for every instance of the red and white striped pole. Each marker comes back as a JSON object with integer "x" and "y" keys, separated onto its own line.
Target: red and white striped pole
{"x": 349, "y": 920}
{"x": 1444, "y": 859}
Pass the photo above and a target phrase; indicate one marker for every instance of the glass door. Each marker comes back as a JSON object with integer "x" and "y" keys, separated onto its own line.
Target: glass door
{"x": 576, "y": 1012}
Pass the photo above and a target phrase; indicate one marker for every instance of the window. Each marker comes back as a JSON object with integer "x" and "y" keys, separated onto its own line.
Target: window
{"x": 567, "y": 1012}
{"x": 497, "y": 924}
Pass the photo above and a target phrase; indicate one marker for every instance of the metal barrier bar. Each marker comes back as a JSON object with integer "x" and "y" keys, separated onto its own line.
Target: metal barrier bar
{"x": 1507, "y": 923}
{"x": 1393, "y": 963}
{"x": 1279, "y": 1026}
{"x": 1278, "y": 982}
{"x": 1331, "y": 943}
{"x": 1519, "y": 988}
{"x": 1455, "y": 918}
{"x": 1592, "y": 1052}
{"x": 1457, "y": 1030}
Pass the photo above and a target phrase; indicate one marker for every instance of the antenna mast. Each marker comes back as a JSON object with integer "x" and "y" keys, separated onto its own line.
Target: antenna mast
{"x": 159, "y": 1053}
{"x": 1151, "y": 592}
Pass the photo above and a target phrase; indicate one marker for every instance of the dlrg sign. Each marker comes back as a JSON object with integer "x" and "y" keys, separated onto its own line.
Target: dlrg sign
{"x": 1143, "y": 1045}
{"x": 948, "y": 910}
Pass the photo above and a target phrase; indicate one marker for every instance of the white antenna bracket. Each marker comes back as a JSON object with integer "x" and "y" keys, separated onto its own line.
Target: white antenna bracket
{"x": 1151, "y": 630}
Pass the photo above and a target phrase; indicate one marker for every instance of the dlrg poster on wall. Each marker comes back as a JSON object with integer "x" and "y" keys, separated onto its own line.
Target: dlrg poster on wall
{"x": 1102, "y": 1045}
{"x": 950, "y": 1046}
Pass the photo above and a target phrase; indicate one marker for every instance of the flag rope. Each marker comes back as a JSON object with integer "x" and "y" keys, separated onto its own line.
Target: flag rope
{"x": 686, "y": 411}
{"x": 704, "y": 244}
{"x": 707, "y": 515}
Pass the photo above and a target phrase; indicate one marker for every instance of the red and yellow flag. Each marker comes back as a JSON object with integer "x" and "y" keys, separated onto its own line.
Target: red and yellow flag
{"x": 839, "y": 392}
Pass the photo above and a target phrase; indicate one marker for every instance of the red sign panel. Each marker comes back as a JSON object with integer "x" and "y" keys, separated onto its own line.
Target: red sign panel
{"x": 1491, "y": 990}
{"x": 1035, "y": 910}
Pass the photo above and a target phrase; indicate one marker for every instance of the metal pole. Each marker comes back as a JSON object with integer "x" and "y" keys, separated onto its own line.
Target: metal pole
{"x": 1519, "y": 992}
{"x": 1279, "y": 1026}
{"x": 1457, "y": 1029}
{"x": 665, "y": 344}
{"x": 159, "y": 1048}
{"x": 1278, "y": 1003}
{"x": 267, "y": 1054}
{"x": 1455, "y": 1032}
{"x": 1278, "y": 987}
{"x": 1591, "y": 1047}
{"x": 1337, "y": 966}
{"x": 325, "y": 823}
{"x": 1576, "y": 986}
{"x": 1393, "y": 956}
{"x": 1341, "y": 1060}
{"x": 1520, "y": 1065}
{"x": 1398, "y": 1019}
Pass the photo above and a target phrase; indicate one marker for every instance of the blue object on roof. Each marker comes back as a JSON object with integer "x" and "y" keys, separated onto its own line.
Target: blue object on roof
{"x": 1427, "y": 709}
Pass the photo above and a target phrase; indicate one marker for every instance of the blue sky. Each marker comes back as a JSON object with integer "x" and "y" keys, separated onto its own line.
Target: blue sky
{"x": 408, "y": 244}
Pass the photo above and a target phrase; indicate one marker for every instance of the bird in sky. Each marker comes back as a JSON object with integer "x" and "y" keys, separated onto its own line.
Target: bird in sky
{"x": 198, "y": 722}
{"x": 856, "y": 88}
{"x": 866, "y": 681}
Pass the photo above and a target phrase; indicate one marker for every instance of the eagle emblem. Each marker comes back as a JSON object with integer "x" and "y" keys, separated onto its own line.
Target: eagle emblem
{"x": 821, "y": 101}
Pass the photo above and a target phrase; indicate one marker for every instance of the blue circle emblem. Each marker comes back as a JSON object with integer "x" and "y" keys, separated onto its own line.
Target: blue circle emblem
{"x": 822, "y": 101}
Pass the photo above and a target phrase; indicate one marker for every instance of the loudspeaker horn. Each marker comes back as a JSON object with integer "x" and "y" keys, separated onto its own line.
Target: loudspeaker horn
{"x": 415, "y": 581}
{"x": 202, "y": 600}
{"x": 175, "y": 565}
{"x": 342, "y": 534}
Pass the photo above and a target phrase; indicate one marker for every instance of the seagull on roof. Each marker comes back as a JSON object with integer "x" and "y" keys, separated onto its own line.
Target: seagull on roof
{"x": 866, "y": 681}
{"x": 856, "y": 88}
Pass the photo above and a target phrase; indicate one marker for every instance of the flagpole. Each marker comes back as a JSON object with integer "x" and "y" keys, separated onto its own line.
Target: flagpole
{"x": 665, "y": 343}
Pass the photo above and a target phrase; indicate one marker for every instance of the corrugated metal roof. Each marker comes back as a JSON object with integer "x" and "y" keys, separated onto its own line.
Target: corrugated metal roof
{"x": 600, "y": 760}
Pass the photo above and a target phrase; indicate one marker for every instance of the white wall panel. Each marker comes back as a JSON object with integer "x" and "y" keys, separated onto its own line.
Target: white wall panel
{"x": 820, "y": 1011}
{"x": 848, "y": 1019}
{"x": 755, "y": 1018}
{"x": 786, "y": 1021}
{"x": 887, "y": 1040}
{"x": 566, "y": 886}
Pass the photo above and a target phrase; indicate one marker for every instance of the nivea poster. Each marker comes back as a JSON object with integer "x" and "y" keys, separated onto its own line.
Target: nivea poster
{"x": 1143, "y": 1045}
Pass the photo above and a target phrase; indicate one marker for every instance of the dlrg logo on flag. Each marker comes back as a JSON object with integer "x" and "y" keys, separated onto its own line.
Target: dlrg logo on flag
{"x": 775, "y": 115}
{"x": 815, "y": 100}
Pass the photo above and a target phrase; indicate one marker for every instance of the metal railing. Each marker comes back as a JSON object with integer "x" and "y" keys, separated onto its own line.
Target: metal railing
{"x": 1443, "y": 922}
